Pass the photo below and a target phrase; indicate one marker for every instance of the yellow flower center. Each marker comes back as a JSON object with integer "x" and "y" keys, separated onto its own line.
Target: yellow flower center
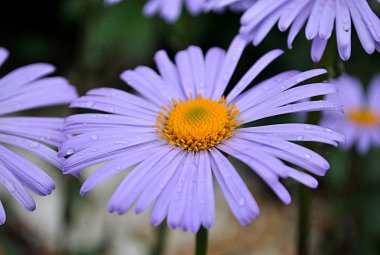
{"x": 364, "y": 117}
{"x": 197, "y": 124}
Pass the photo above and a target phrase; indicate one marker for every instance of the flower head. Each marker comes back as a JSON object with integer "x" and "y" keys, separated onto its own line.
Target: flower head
{"x": 319, "y": 16}
{"x": 176, "y": 131}
{"x": 361, "y": 121}
{"x": 170, "y": 10}
{"x": 27, "y": 88}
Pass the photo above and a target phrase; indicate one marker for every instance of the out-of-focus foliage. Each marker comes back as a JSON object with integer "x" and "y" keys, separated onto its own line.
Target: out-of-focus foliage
{"x": 91, "y": 44}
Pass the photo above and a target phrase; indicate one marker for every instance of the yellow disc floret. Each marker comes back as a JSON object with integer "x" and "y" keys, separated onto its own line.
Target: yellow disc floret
{"x": 197, "y": 124}
{"x": 364, "y": 117}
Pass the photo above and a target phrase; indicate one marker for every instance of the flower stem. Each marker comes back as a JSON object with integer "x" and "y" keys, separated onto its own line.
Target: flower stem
{"x": 303, "y": 220}
{"x": 347, "y": 228}
{"x": 201, "y": 240}
{"x": 159, "y": 246}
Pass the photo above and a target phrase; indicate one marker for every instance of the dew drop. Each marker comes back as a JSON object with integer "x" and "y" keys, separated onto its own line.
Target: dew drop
{"x": 89, "y": 103}
{"x": 308, "y": 127}
{"x": 70, "y": 151}
{"x": 94, "y": 137}
{"x": 300, "y": 138}
{"x": 121, "y": 142}
{"x": 328, "y": 130}
{"x": 34, "y": 145}
{"x": 307, "y": 156}
{"x": 9, "y": 186}
{"x": 241, "y": 201}
{"x": 117, "y": 167}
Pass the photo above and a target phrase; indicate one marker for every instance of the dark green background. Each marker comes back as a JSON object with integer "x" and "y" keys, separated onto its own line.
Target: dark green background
{"x": 91, "y": 44}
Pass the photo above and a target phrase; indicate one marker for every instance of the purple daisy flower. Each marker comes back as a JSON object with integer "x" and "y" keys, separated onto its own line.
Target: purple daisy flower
{"x": 169, "y": 10}
{"x": 361, "y": 121}
{"x": 262, "y": 15}
{"x": 176, "y": 131}
{"x": 22, "y": 89}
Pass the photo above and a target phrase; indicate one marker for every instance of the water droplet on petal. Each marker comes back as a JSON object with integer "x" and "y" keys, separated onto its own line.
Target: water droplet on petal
{"x": 34, "y": 145}
{"x": 70, "y": 151}
{"x": 94, "y": 137}
{"x": 89, "y": 103}
{"x": 308, "y": 156}
{"x": 300, "y": 138}
{"x": 241, "y": 202}
{"x": 328, "y": 130}
{"x": 308, "y": 127}
{"x": 9, "y": 186}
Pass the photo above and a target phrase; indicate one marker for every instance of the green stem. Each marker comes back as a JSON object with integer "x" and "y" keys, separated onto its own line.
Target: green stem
{"x": 201, "y": 241}
{"x": 346, "y": 230}
{"x": 303, "y": 220}
{"x": 159, "y": 246}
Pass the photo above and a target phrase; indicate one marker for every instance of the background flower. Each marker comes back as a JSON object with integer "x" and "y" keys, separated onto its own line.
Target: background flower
{"x": 170, "y": 10}
{"x": 175, "y": 140}
{"x": 321, "y": 15}
{"x": 22, "y": 89}
{"x": 91, "y": 44}
{"x": 361, "y": 121}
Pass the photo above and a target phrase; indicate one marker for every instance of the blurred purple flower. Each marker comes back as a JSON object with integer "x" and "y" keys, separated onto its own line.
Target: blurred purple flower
{"x": 176, "y": 141}
{"x": 112, "y": 1}
{"x": 262, "y": 15}
{"x": 169, "y": 10}
{"x": 22, "y": 89}
{"x": 361, "y": 121}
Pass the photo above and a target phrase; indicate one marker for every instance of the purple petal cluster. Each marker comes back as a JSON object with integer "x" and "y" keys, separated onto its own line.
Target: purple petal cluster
{"x": 22, "y": 89}
{"x": 177, "y": 183}
{"x": 363, "y": 134}
{"x": 319, "y": 16}
{"x": 170, "y": 10}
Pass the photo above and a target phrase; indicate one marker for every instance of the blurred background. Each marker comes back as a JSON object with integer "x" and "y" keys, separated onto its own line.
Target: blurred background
{"x": 91, "y": 44}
